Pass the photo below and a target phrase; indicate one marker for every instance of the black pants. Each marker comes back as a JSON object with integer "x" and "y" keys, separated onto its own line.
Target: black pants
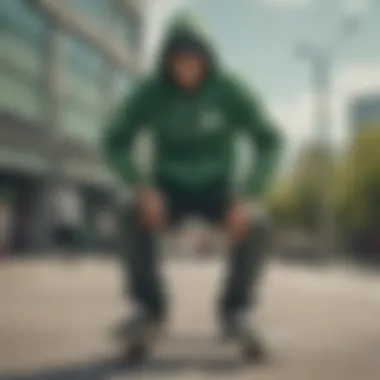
{"x": 141, "y": 262}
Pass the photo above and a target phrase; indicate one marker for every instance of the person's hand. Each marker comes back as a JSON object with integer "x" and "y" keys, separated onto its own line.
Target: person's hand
{"x": 152, "y": 209}
{"x": 238, "y": 220}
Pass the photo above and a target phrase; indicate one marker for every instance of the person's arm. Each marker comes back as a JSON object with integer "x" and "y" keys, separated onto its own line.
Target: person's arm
{"x": 250, "y": 114}
{"x": 120, "y": 134}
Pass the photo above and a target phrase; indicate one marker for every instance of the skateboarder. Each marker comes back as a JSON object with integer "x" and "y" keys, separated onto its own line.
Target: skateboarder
{"x": 194, "y": 109}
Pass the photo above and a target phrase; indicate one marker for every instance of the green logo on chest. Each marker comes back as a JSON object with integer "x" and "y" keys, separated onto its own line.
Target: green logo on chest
{"x": 211, "y": 120}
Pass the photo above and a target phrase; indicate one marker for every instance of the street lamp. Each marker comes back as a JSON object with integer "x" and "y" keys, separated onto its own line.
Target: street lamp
{"x": 321, "y": 58}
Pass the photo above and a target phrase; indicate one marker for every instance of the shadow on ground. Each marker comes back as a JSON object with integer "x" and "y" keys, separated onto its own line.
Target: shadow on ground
{"x": 200, "y": 356}
{"x": 107, "y": 368}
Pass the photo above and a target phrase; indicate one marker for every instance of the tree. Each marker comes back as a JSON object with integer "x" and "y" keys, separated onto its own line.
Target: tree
{"x": 295, "y": 201}
{"x": 357, "y": 183}
{"x": 356, "y": 188}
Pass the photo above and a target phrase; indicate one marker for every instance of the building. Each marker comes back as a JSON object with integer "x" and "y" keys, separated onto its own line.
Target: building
{"x": 364, "y": 239}
{"x": 365, "y": 112}
{"x": 63, "y": 64}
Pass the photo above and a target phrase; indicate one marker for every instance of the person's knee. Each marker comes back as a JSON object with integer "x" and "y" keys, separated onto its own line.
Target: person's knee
{"x": 135, "y": 219}
{"x": 258, "y": 233}
{"x": 132, "y": 239}
{"x": 131, "y": 224}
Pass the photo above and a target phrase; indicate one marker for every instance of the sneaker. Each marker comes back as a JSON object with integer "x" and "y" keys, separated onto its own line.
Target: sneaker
{"x": 139, "y": 327}
{"x": 237, "y": 328}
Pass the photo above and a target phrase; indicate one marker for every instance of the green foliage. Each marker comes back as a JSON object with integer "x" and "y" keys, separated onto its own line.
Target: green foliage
{"x": 357, "y": 183}
{"x": 356, "y": 187}
{"x": 295, "y": 201}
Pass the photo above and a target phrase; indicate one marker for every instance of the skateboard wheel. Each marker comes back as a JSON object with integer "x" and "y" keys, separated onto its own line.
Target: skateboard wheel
{"x": 136, "y": 354}
{"x": 254, "y": 353}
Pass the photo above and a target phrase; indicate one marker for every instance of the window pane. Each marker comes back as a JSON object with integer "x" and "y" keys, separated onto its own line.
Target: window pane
{"x": 84, "y": 73}
{"x": 19, "y": 15}
{"x": 19, "y": 97}
{"x": 84, "y": 88}
{"x": 78, "y": 124}
{"x": 84, "y": 58}
{"x": 122, "y": 84}
{"x": 20, "y": 53}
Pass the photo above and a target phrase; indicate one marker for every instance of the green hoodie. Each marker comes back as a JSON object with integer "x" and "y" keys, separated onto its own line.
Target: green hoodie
{"x": 193, "y": 133}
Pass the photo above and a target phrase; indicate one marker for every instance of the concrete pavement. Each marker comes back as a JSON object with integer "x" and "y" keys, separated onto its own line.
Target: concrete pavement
{"x": 55, "y": 319}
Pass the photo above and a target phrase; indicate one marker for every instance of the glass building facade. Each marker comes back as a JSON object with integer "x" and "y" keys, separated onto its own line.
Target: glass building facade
{"x": 89, "y": 80}
{"x": 23, "y": 39}
{"x": 81, "y": 116}
{"x": 365, "y": 112}
{"x": 86, "y": 68}
{"x": 23, "y": 33}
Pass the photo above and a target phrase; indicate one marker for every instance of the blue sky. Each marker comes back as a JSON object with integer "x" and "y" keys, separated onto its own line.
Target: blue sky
{"x": 257, "y": 38}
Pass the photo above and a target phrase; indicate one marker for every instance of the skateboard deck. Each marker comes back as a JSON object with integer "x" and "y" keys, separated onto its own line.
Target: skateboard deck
{"x": 137, "y": 350}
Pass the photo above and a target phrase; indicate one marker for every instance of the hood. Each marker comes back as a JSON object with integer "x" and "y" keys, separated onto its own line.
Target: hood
{"x": 185, "y": 33}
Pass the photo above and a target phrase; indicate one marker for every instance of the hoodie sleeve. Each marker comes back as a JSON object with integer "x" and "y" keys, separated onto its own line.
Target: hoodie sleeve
{"x": 250, "y": 115}
{"x": 123, "y": 126}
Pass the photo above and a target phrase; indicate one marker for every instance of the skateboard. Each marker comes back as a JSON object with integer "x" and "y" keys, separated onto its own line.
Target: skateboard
{"x": 136, "y": 350}
{"x": 251, "y": 349}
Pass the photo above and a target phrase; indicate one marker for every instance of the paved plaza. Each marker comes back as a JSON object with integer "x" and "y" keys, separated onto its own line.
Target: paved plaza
{"x": 55, "y": 319}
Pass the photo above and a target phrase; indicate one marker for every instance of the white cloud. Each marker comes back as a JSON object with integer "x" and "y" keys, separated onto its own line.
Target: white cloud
{"x": 357, "y": 7}
{"x": 157, "y": 14}
{"x": 287, "y": 3}
{"x": 297, "y": 116}
{"x": 351, "y": 6}
{"x": 354, "y": 7}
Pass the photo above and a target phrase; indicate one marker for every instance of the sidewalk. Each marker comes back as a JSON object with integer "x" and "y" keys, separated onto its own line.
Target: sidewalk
{"x": 55, "y": 321}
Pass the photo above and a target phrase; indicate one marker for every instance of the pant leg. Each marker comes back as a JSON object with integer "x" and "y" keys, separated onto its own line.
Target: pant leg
{"x": 140, "y": 262}
{"x": 140, "y": 252}
{"x": 245, "y": 266}
{"x": 246, "y": 260}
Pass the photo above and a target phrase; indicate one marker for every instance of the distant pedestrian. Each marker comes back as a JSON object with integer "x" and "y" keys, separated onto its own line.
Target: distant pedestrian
{"x": 6, "y": 228}
{"x": 68, "y": 221}
{"x": 106, "y": 229}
